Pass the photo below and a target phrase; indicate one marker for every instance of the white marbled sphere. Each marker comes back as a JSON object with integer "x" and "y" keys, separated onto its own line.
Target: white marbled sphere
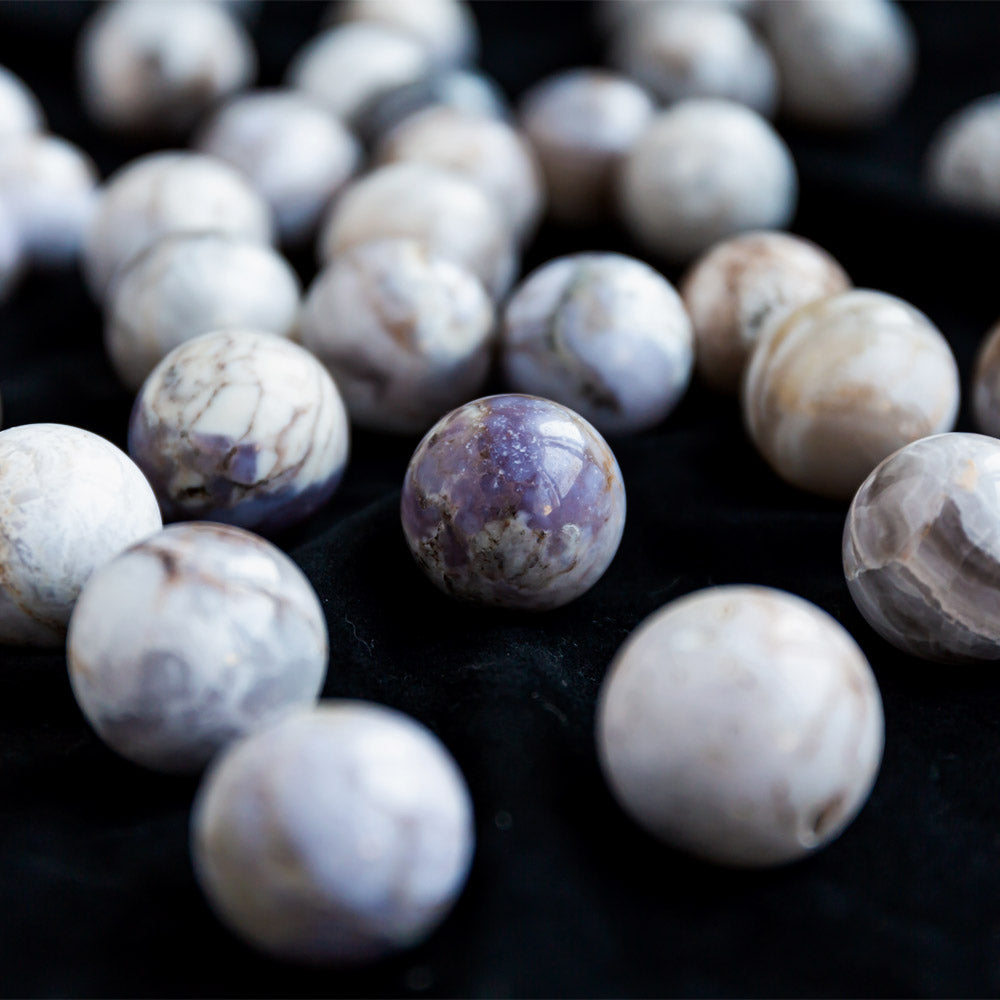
{"x": 12, "y": 257}
{"x": 698, "y": 50}
{"x": 406, "y": 335}
{"x": 335, "y": 836}
{"x": 963, "y": 161}
{"x": 157, "y": 65}
{"x": 193, "y": 283}
{"x": 838, "y": 384}
{"x": 241, "y": 427}
{"x": 446, "y": 28}
{"x": 741, "y": 724}
{"x": 741, "y": 285}
{"x": 164, "y": 193}
{"x": 491, "y": 153}
{"x": 50, "y": 188}
{"x": 443, "y": 209}
{"x": 582, "y": 123}
{"x": 190, "y": 639}
{"x": 703, "y": 170}
{"x": 986, "y": 384}
{"x": 603, "y": 334}
{"x": 349, "y": 66}
{"x": 294, "y": 151}
{"x": 922, "y": 548}
{"x": 842, "y": 63}
{"x": 20, "y": 112}
{"x": 69, "y": 502}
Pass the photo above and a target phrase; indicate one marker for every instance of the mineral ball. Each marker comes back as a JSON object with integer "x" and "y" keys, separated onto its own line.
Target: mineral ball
{"x": 157, "y": 65}
{"x": 986, "y": 385}
{"x": 741, "y": 724}
{"x": 513, "y": 501}
{"x": 963, "y": 163}
{"x": 463, "y": 90}
{"x": 69, "y": 502}
{"x": 616, "y": 15}
{"x": 603, "y": 334}
{"x": 844, "y": 381}
{"x": 20, "y": 112}
{"x": 334, "y": 836}
{"x": 740, "y": 286}
{"x": 49, "y": 186}
{"x": 349, "y": 66}
{"x": 241, "y": 427}
{"x": 164, "y": 193}
{"x": 842, "y": 64}
{"x": 194, "y": 283}
{"x": 406, "y": 335}
{"x": 11, "y": 253}
{"x": 438, "y": 207}
{"x": 446, "y": 28}
{"x": 292, "y": 150}
{"x": 491, "y": 153}
{"x": 698, "y": 50}
{"x": 195, "y": 636}
{"x": 922, "y": 548}
{"x": 703, "y": 170}
{"x": 582, "y": 123}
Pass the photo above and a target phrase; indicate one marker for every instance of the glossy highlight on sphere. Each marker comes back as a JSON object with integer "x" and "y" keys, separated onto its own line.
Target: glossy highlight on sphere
{"x": 922, "y": 548}
{"x": 513, "y": 501}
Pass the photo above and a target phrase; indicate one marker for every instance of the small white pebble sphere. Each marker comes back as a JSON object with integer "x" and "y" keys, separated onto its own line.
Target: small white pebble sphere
{"x": 165, "y": 193}
{"x": 694, "y": 50}
{"x": 12, "y": 259}
{"x": 740, "y": 286}
{"x": 704, "y": 170}
{"x": 922, "y": 548}
{"x": 241, "y": 427}
{"x": 292, "y": 150}
{"x": 438, "y": 207}
{"x": 582, "y": 123}
{"x": 840, "y": 383}
{"x": 963, "y": 162}
{"x": 603, "y": 334}
{"x": 350, "y": 66}
{"x": 491, "y": 153}
{"x": 446, "y": 28}
{"x": 69, "y": 502}
{"x": 190, "y": 639}
{"x": 842, "y": 63}
{"x": 193, "y": 283}
{"x": 50, "y": 187}
{"x": 406, "y": 335}
{"x": 20, "y": 112}
{"x": 157, "y": 65}
{"x": 741, "y": 724}
{"x": 334, "y": 836}
{"x": 986, "y": 384}
{"x": 616, "y": 15}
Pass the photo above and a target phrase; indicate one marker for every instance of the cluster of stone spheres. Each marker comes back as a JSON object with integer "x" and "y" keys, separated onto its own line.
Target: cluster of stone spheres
{"x": 742, "y": 724}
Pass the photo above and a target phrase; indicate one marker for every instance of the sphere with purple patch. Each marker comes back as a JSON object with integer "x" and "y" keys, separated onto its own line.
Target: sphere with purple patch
{"x": 513, "y": 501}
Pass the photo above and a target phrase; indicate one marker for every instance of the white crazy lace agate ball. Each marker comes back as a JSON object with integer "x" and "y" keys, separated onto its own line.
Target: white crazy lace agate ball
{"x": 69, "y": 502}
{"x": 241, "y": 427}
{"x": 841, "y": 382}
{"x": 922, "y": 548}
{"x": 406, "y": 334}
{"x": 335, "y": 836}
{"x": 963, "y": 161}
{"x": 198, "y": 635}
{"x": 603, "y": 334}
{"x": 741, "y": 724}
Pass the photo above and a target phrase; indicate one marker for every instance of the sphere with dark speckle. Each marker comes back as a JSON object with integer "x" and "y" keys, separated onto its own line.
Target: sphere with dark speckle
{"x": 192, "y": 638}
{"x": 602, "y": 333}
{"x": 241, "y": 427}
{"x": 513, "y": 501}
{"x": 337, "y": 835}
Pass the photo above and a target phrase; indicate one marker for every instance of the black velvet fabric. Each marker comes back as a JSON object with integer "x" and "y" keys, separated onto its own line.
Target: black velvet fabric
{"x": 566, "y": 896}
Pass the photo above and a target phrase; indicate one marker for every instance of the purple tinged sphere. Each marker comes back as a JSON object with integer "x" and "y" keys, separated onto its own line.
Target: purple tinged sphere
{"x": 513, "y": 501}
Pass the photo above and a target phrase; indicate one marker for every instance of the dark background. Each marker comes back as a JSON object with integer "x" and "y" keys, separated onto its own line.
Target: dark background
{"x": 566, "y": 897}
